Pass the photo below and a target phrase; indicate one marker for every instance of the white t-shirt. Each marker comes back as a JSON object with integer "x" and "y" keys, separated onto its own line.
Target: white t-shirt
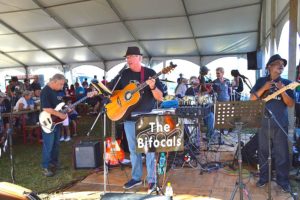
{"x": 23, "y": 101}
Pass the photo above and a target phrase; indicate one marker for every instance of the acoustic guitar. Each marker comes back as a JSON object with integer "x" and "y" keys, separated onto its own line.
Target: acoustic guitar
{"x": 114, "y": 153}
{"x": 123, "y": 101}
{"x": 48, "y": 122}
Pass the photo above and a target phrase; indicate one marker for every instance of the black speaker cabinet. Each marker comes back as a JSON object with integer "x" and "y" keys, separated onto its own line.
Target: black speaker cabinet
{"x": 254, "y": 60}
{"x": 86, "y": 154}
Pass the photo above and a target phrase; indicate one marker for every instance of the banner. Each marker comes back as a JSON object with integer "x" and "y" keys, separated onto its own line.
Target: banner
{"x": 161, "y": 133}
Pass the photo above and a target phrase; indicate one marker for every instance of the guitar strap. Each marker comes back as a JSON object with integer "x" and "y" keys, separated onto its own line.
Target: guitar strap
{"x": 142, "y": 75}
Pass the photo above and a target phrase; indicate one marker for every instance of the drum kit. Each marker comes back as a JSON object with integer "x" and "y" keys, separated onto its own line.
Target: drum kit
{"x": 202, "y": 99}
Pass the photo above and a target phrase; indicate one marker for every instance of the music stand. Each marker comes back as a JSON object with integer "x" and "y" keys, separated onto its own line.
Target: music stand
{"x": 239, "y": 114}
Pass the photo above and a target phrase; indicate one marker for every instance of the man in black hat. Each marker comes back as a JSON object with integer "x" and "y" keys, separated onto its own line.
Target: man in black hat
{"x": 278, "y": 107}
{"x": 149, "y": 96}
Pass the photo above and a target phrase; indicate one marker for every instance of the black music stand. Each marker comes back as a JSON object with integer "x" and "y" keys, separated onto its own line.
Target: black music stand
{"x": 239, "y": 114}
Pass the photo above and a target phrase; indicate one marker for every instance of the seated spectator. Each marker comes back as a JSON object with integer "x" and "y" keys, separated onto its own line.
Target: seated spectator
{"x": 27, "y": 84}
{"x": 35, "y": 85}
{"x": 72, "y": 114}
{"x": 79, "y": 91}
{"x": 22, "y": 103}
{"x": 5, "y": 107}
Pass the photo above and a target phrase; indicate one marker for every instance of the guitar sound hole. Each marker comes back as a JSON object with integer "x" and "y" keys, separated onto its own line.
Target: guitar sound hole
{"x": 128, "y": 95}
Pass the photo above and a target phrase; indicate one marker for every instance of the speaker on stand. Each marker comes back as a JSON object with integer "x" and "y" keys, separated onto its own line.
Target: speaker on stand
{"x": 254, "y": 60}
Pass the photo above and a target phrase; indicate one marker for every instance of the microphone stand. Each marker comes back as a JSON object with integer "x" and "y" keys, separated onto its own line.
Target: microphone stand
{"x": 10, "y": 140}
{"x": 104, "y": 129}
{"x": 270, "y": 116}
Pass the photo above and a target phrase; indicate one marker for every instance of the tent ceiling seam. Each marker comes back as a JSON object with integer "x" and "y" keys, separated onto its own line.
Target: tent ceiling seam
{"x": 115, "y": 10}
{"x": 65, "y": 27}
{"x": 31, "y": 42}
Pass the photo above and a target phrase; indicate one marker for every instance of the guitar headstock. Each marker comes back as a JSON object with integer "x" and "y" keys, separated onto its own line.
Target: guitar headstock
{"x": 169, "y": 68}
{"x": 292, "y": 85}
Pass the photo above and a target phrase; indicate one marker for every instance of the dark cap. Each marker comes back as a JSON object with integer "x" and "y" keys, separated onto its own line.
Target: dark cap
{"x": 274, "y": 58}
{"x": 133, "y": 51}
{"x": 204, "y": 69}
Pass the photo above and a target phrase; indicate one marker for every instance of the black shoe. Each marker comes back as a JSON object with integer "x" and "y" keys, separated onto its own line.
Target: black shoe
{"x": 47, "y": 172}
{"x": 286, "y": 188}
{"x": 260, "y": 184}
{"x": 132, "y": 183}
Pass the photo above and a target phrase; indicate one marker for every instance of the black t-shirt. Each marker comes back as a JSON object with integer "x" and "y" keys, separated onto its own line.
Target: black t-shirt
{"x": 50, "y": 98}
{"x": 191, "y": 91}
{"x": 147, "y": 102}
{"x": 35, "y": 86}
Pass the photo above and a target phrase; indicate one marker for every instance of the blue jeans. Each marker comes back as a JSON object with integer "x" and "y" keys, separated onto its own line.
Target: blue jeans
{"x": 136, "y": 158}
{"x": 280, "y": 153}
{"x": 51, "y": 147}
{"x": 209, "y": 122}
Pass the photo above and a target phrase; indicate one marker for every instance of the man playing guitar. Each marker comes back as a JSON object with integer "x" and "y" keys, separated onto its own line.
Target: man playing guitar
{"x": 149, "y": 96}
{"x": 278, "y": 106}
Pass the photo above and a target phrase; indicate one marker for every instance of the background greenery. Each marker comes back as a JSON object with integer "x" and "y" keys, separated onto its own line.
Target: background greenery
{"x": 27, "y": 157}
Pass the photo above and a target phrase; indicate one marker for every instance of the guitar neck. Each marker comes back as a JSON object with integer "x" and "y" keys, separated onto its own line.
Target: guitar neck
{"x": 143, "y": 85}
{"x": 290, "y": 86}
{"x": 74, "y": 104}
{"x": 113, "y": 130}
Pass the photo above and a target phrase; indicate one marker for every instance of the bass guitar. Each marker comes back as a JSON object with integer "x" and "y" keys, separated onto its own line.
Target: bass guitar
{"x": 48, "y": 122}
{"x": 123, "y": 101}
{"x": 114, "y": 153}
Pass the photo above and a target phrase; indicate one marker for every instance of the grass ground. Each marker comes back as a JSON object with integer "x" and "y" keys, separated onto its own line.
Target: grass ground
{"x": 27, "y": 157}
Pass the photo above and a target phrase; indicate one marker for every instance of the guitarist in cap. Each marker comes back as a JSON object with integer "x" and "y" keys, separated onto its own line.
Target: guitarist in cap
{"x": 278, "y": 106}
{"x": 149, "y": 96}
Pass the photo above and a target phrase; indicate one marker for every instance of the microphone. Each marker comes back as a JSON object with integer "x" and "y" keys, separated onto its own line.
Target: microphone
{"x": 242, "y": 76}
{"x": 236, "y": 73}
{"x": 121, "y": 71}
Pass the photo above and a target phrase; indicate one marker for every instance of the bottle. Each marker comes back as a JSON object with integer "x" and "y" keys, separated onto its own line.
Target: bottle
{"x": 162, "y": 163}
{"x": 169, "y": 191}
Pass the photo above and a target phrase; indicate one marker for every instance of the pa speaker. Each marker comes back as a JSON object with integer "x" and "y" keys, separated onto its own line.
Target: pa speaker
{"x": 254, "y": 60}
{"x": 86, "y": 154}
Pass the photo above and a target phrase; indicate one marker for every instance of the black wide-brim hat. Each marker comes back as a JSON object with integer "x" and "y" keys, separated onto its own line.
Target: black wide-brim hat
{"x": 274, "y": 58}
{"x": 133, "y": 51}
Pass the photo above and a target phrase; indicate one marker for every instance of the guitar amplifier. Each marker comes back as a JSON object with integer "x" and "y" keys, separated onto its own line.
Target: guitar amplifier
{"x": 86, "y": 154}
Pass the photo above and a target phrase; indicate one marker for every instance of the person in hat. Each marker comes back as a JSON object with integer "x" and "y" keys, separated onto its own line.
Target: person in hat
{"x": 149, "y": 96}
{"x": 278, "y": 125}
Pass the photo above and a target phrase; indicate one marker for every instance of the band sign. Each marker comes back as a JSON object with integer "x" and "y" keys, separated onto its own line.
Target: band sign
{"x": 159, "y": 134}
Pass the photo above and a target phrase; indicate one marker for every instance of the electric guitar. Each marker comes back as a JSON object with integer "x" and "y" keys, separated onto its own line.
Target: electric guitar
{"x": 123, "y": 101}
{"x": 114, "y": 153}
{"x": 48, "y": 122}
{"x": 291, "y": 86}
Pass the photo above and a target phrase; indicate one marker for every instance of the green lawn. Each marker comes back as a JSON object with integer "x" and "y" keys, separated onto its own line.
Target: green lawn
{"x": 28, "y": 172}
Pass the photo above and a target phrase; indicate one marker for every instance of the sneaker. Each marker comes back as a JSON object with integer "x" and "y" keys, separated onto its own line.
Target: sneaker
{"x": 62, "y": 139}
{"x": 75, "y": 134}
{"x": 47, "y": 172}
{"x": 132, "y": 183}
{"x": 68, "y": 139}
{"x": 151, "y": 187}
{"x": 260, "y": 184}
{"x": 54, "y": 168}
{"x": 286, "y": 188}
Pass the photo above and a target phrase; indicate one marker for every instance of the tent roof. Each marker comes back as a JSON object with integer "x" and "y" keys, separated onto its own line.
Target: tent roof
{"x": 46, "y": 32}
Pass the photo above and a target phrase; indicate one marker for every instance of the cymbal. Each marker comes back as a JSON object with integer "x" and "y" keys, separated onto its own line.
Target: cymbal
{"x": 103, "y": 87}
{"x": 166, "y": 80}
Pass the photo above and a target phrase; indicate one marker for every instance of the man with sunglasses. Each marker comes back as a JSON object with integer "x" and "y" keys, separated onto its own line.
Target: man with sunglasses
{"x": 278, "y": 106}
